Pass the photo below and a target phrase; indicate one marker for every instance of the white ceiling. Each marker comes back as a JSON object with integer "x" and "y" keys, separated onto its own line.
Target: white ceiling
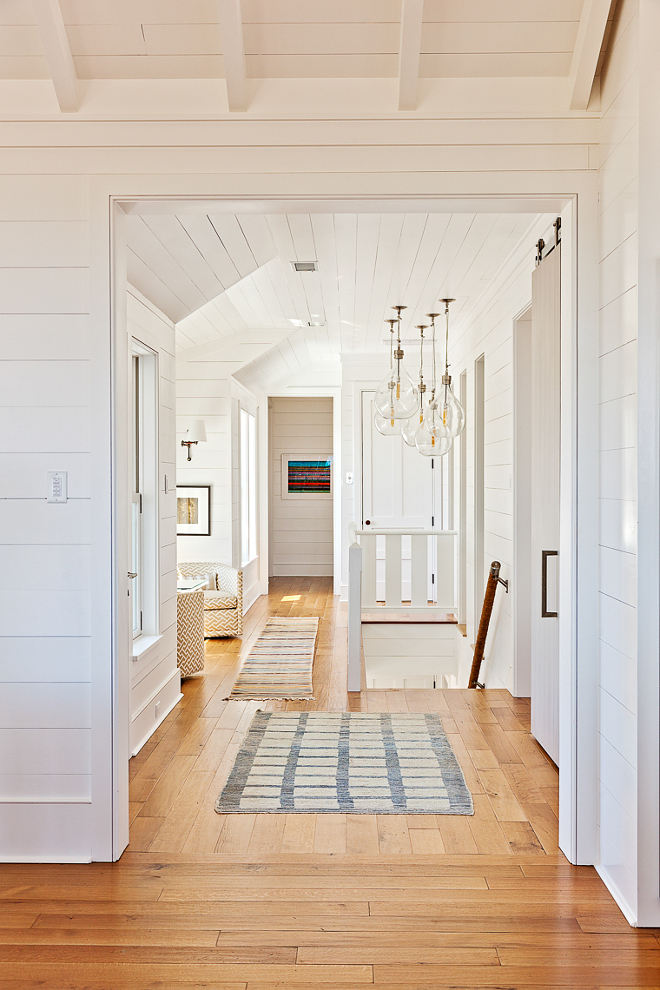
{"x": 171, "y": 39}
{"x": 224, "y": 276}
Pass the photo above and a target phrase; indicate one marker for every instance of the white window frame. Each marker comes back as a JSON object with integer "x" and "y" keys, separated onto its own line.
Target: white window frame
{"x": 145, "y": 557}
{"x": 248, "y": 485}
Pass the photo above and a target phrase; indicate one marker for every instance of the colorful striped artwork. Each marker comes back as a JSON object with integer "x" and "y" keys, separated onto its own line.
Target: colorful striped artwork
{"x": 309, "y": 477}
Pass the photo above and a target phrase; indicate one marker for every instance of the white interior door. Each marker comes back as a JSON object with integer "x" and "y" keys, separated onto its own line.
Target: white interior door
{"x": 545, "y": 451}
{"x": 398, "y": 492}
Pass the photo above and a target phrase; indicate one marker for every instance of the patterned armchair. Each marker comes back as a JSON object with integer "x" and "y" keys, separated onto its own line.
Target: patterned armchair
{"x": 223, "y": 599}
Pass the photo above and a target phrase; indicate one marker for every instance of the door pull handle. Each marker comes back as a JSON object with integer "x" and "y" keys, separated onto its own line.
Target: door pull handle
{"x": 544, "y": 583}
{"x": 132, "y": 574}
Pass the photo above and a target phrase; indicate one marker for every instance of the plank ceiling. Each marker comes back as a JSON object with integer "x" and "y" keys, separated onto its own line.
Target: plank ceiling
{"x": 131, "y": 39}
{"x": 222, "y": 276}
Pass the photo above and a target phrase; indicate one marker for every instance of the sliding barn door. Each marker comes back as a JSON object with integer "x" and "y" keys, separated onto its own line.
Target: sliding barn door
{"x": 546, "y": 330}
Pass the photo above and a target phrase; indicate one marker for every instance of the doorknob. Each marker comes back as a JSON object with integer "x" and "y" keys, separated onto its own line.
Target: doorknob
{"x": 132, "y": 574}
{"x": 367, "y": 522}
{"x": 544, "y": 583}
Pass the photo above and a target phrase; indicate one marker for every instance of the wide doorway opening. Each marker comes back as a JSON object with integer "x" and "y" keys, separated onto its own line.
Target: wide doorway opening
{"x": 256, "y": 404}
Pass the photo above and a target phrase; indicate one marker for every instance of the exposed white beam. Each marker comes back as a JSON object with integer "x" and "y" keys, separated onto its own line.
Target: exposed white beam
{"x": 591, "y": 32}
{"x": 412, "y": 14}
{"x": 58, "y": 53}
{"x": 233, "y": 50}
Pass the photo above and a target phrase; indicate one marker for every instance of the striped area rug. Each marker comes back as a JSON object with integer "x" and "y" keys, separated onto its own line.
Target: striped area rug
{"x": 279, "y": 665}
{"x": 359, "y": 763}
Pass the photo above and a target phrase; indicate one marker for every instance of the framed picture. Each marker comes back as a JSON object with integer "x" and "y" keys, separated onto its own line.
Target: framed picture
{"x": 306, "y": 477}
{"x": 193, "y": 511}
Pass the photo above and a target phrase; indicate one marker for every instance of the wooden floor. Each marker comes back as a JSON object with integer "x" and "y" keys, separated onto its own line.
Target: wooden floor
{"x": 259, "y": 902}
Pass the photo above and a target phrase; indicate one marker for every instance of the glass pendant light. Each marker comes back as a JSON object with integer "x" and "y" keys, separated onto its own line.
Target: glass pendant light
{"x": 451, "y": 416}
{"x": 410, "y": 427}
{"x": 430, "y": 445}
{"x": 397, "y": 396}
{"x": 387, "y": 426}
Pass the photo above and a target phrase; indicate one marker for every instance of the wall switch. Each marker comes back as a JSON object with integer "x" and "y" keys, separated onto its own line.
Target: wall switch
{"x": 57, "y": 486}
{"x": 349, "y": 477}
{"x": 167, "y": 484}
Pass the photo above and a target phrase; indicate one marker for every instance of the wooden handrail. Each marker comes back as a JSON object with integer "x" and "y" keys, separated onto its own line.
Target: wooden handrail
{"x": 486, "y": 611}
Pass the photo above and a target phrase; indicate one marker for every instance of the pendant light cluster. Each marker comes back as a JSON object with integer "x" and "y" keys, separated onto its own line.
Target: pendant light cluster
{"x": 427, "y": 419}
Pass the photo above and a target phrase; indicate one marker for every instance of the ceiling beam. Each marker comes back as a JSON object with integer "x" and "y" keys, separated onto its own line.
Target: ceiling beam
{"x": 233, "y": 50}
{"x": 412, "y": 13}
{"x": 591, "y": 32}
{"x": 58, "y": 53}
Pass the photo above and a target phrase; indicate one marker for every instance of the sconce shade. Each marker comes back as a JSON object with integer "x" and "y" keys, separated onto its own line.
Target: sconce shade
{"x": 197, "y": 432}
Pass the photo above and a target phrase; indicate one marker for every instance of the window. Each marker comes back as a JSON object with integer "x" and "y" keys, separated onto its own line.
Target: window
{"x": 248, "y": 488}
{"x": 144, "y": 491}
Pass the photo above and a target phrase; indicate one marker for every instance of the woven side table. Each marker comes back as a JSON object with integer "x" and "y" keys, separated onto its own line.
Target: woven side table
{"x": 190, "y": 632}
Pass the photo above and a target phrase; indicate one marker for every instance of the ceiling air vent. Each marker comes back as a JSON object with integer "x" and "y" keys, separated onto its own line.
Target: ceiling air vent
{"x": 305, "y": 266}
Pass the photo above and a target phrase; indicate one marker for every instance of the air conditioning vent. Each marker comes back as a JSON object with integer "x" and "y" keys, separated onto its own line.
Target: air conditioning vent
{"x": 305, "y": 266}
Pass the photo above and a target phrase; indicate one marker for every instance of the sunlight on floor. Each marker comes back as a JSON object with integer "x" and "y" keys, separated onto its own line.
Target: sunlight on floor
{"x": 291, "y": 598}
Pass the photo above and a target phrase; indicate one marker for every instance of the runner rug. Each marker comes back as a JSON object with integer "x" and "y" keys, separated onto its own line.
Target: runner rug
{"x": 337, "y": 762}
{"x": 279, "y": 665}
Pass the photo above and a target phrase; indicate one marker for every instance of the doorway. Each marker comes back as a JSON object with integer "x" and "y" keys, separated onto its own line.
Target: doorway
{"x": 300, "y": 471}
{"x": 219, "y": 205}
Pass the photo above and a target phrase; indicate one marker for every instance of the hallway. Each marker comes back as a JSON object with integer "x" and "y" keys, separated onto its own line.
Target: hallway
{"x": 254, "y": 902}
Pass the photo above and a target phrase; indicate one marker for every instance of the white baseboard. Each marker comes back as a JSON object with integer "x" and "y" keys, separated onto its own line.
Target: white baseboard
{"x": 146, "y": 722}
{"x": 629, "y": 914}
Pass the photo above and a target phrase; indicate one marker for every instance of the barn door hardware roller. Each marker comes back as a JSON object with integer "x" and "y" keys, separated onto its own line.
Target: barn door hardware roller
{"x": 489, "y": 598}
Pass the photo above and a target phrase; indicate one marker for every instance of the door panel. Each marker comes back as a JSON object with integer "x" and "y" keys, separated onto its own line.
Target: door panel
{"x": 398, "y": 492}
{"x": 546, "y": 335}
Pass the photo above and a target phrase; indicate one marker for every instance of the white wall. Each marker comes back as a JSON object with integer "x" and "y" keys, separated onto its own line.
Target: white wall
{"x": 154, "y": 678}
{"x": 203, "y": 391}
{"x": 47, "y": 423}
{"x": 301, "y": 529}
{"x": 618, "y": 457}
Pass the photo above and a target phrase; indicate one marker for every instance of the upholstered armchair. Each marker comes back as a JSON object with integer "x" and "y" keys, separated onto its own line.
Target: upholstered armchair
{"x": 223, "y": 597}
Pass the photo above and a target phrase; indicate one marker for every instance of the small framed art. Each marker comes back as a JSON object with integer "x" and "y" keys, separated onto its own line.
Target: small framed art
{"x": 306, "y": 477}
{"x": 193, "y": 511}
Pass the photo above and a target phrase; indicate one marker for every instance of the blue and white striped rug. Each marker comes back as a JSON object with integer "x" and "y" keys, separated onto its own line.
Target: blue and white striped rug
{"x": 339, "y": 762}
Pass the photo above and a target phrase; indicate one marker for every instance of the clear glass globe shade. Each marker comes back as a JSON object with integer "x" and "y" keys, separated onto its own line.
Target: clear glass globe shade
{"x": 451, "y": 416}
{"x": 410, "y": 427}
{"x": 429, "y": 445}
{"x": 432, "y": 418}
{"x": 388, "y": 427}
{"x": 397, "y": 398}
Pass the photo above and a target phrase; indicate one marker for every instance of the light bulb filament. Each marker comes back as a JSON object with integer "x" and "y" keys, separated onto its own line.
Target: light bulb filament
{"x": 444, "y": 416}
{"x": 398, "y": 390}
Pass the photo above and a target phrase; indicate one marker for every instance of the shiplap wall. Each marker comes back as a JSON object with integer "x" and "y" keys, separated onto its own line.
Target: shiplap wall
{"x": 618, "y": 456}
{"x": 154, "y": 674}
{"x": 46, "y": 574}
{"x": 301, "y": 530}
{"x": 203, "y": 391}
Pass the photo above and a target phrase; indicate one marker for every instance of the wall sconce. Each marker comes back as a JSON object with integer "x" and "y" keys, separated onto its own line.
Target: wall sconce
{"x": 194, "y": 435}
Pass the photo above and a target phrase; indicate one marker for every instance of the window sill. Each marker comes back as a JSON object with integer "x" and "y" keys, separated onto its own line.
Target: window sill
{"x": 143, "y": 644}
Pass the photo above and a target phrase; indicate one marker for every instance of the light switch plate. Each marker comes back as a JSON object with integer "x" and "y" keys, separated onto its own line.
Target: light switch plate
{"x": 57, "y": 486}
{"x": 349, "y": 477}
